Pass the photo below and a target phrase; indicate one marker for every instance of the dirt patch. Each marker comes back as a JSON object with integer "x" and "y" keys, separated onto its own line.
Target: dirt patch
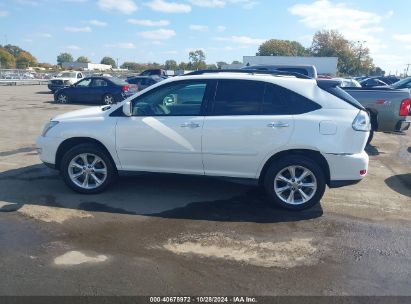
{"x": 287, "y": 254}
{"x": 52, "y": 214}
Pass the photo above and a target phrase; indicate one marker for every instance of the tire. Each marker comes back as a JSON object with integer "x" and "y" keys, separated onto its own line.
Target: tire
{"x": 109, "y": 99}
{"x": 370, "y": 137}
{"x": 62, "y": 98}
{"x": 74, "y": 170}
{"x": 279, "y": 191}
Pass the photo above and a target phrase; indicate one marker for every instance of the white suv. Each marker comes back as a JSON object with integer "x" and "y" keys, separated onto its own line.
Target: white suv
{"x": 292, "y": 134}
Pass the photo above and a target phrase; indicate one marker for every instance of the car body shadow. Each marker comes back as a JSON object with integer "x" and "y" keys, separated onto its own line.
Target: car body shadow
{"x": 156, "y": 195}
{"x": 45, "y": 92}
{"x": 400, "y": 183}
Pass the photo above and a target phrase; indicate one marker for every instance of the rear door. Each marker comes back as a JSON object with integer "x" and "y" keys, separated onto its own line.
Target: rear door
{"x": 98, "y": 88}
{"x": 247, "y": 122}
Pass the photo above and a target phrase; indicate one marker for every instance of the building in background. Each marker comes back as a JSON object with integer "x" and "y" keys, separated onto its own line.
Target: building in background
{"x": 86, "y": 66}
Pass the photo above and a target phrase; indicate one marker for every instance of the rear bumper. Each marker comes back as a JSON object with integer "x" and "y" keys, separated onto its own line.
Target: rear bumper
{"x": 345, "y": 169}
{"x": 402, "y": 125}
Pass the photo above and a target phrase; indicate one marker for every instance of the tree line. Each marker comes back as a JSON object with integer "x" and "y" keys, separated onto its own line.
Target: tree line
{"x": 353, "y": 57}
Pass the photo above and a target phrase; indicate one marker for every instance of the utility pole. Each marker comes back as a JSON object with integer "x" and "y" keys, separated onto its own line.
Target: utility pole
{"x": 406, "y": 71}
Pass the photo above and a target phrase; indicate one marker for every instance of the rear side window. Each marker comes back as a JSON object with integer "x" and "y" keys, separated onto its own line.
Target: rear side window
{"x": 238, "y": 97}
{"x": 281, "y": 101}
{"x": 332, "y": 87}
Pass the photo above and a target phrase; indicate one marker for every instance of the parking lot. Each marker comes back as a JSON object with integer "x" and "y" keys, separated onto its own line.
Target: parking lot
{"x": 178, "y": 235}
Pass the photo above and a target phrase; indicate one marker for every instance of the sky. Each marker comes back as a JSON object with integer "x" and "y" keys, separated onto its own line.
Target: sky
{"x": 226, "y": 30}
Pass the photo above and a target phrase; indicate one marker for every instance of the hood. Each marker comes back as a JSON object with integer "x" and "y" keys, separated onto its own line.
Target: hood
{"x": 83, "y": 113}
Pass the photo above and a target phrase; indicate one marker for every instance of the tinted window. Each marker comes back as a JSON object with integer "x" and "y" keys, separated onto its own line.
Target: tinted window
{"x": 238, "y": 97}
{"x": 99, "y": 83}
{"x": 281, "y": 101}
{"x": 84, "y": 83}
{"x": 178, "y": 99}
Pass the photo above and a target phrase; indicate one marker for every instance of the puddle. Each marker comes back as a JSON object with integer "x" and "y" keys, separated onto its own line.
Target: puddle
{"x": 72, "y": 258}
{"x": 288, "y": 254}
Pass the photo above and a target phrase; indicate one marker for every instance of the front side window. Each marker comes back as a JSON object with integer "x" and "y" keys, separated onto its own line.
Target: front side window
{"x": 238, "y": 97}
{"x": 177, "y": 99}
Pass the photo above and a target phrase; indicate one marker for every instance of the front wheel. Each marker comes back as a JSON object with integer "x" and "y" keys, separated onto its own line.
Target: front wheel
{"x": 87, "y": 169}
{"x": 295, "y": 183}
{"x": 62, "y": 98}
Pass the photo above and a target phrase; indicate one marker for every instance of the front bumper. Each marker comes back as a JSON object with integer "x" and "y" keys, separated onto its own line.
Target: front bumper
{"x": 47, "y": 149}
{"x": 54, "y": 88}
{"x": 346, "y": 169}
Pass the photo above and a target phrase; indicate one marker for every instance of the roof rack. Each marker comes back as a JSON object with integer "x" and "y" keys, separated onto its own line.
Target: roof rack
{"x": 249, "y": 71}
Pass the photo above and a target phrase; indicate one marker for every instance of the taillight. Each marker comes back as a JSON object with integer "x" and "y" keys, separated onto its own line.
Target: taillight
{"x": 362, "y": 122}
{"x": 126, "y": 88}
{"x": 405, "y": 107}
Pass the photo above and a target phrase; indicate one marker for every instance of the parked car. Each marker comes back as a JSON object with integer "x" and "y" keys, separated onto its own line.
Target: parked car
{"x": 303, "y": 69}
{"x": 100, "y": 90}
{"x": 143, "y": 82}
{"x": 388, "y": 108}
{"x": 402, "y": 84}
{"x": 348, "y": 82}
{"x": 293, "y": 135}
{"x": 372, "y": 82}
{"x": 64, "y": 79}
{"x": 154, "y": 72}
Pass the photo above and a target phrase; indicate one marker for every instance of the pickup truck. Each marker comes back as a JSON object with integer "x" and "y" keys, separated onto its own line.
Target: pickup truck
{"x": 64, "y": 79}
{"x": 388, "y": 108}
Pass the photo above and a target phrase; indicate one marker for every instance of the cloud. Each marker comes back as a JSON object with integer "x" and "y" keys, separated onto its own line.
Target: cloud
{"x": 85, "y": 29}
{"x": 221, "y": 28}
{"x": 122, "y": 6}
{"x": 354, "y": 24}
{"x": 168, "y": 7}
{"x": 199, "y": 28}
{"x": 73, "y": 47}
{"x": 144, "y": 22}
{"x": 242, "y": 40}
{"x": 160, "y": 34}
{"x": 45, "y": 35}
{"x": 98, "y": 23}
{"x": 121, "y": 45}
{"x": 402, "y": 37}
{"x": 4, "y": 13}
{"x": 208, "y": 3}
{"x": 246, "y": 4}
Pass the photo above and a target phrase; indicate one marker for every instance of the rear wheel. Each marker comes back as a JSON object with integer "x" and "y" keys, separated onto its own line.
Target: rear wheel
{"x": 108, "y": 99}
{"x": 295, "y": 183}
{"x": 87, "y": 169}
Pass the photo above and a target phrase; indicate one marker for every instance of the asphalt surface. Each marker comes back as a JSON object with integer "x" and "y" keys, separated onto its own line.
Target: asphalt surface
{"x": 178, "y": 235}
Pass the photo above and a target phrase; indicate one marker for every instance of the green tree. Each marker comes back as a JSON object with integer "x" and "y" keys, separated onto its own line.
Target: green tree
{"x": 83, "y": 59}
{"x": 377, "y": 71}
{"x": 170, "y": 65}
{"x": 184, "y": 66}
{"x": 220, "y": 64}
{"x": 277, "y": 47}
{"x": 14, "y": 50}
{"x": 353, "y": 57}
{"x": 109, "y": 61}
{"x": 64, "y": 57}
{"x": 132, "y": 66}
{"x": 25, "y": 60}
{"x": 7, "y": 60}
{"x": 197, "y": 59}
{"x": 211, "y": 66}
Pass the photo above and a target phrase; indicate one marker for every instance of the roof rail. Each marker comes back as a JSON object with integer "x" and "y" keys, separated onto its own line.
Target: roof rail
{"x": 249, "y": 71}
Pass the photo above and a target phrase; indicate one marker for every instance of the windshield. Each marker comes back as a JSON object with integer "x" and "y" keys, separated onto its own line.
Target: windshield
{"x": 404, "y": 82}
{"x": 67, "y": 75}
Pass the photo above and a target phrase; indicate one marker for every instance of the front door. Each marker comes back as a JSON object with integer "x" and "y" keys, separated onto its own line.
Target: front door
{"x": 164, "y": 133}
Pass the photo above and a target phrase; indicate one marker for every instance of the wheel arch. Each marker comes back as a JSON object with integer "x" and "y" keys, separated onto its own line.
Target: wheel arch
{"x": 373, "y": 118}
{"x": 312, "y": 154}
{"x": 75, "y": 141}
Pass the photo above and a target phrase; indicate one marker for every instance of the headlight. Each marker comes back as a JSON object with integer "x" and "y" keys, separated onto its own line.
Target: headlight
{"x": 48, "y": 127}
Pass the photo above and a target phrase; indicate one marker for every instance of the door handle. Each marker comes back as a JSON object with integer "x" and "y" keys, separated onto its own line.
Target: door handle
{"x": 278, "y": 125}
{"x": 191, "y": 125}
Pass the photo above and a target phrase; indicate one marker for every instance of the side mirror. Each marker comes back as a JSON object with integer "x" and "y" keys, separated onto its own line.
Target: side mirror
{"x": 127, "y": 109}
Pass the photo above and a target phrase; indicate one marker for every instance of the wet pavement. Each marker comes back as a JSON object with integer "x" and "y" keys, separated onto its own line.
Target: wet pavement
{"x": 177, "y": 235}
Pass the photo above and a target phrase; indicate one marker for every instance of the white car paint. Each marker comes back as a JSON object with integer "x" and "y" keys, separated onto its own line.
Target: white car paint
{"x": 233, "y": 146}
